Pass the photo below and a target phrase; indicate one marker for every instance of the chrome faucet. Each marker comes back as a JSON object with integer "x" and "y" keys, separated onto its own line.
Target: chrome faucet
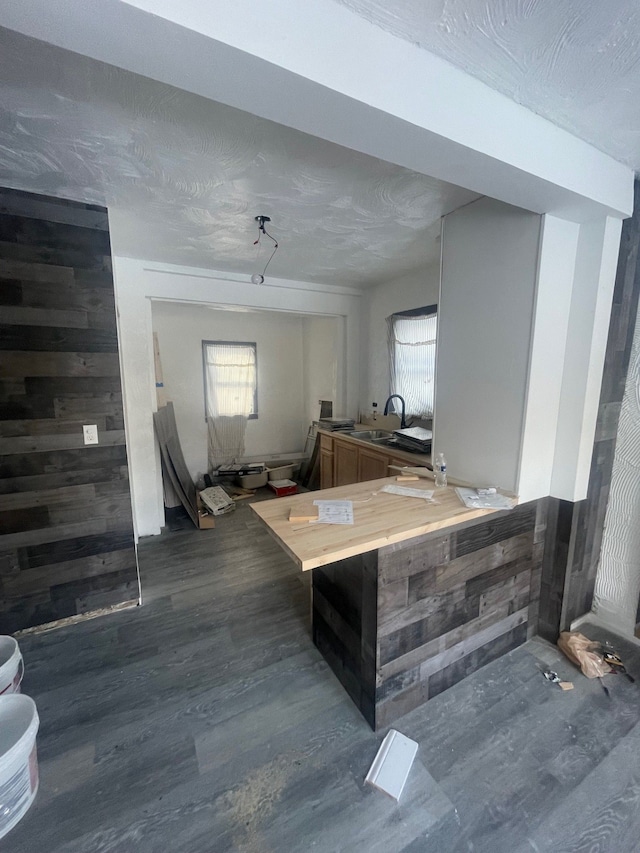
{"x": 403, "y": 422}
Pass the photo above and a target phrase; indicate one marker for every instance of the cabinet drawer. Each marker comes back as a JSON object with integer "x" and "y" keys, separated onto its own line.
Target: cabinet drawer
{"x": 326, "y": 442}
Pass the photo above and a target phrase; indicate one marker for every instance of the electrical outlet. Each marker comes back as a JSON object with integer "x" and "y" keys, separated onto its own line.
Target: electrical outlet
{"x": 90, "y": 433}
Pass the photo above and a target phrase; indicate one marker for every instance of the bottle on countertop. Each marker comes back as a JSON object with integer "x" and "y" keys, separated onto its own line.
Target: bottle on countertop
{"x": 440, "y": 470}
{"x": 375, "y": 411}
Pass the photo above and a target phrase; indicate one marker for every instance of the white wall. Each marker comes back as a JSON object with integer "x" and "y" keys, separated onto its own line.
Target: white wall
{"x": 412, "y": 291}
{"x": 321, "y": 340}
{"x": 138, "y": 283}
{"x": 489, "y": 265}
{"x": 280, "y": 425}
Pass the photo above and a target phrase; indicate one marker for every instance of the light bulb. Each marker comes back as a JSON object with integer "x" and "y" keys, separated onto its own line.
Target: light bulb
{"x": 256, "y": 278}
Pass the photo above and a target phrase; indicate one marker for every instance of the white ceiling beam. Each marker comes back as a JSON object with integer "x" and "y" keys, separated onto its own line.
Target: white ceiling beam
{"x": 323, "y": 70}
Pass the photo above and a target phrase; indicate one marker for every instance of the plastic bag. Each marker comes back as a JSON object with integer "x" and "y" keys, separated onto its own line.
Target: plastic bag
{"x": 584, "y": 653}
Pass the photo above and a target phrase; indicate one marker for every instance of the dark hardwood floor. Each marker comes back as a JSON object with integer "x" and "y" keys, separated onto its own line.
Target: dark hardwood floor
{"x": 207, "y": 721}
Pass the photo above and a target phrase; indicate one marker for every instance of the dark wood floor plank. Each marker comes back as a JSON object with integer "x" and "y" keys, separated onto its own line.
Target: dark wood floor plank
{"x": 29, "y": 483}
{"x": 56, "y": 339}
{"x": 76, "y": 547}
{"x": 16, "y": 364}
{"x": 65, "y": 256}
{"x": 58, "y": 461}
{"x": 10, "y": 291}
{"x": 24, "y": 204}
{"x": 70, "y": 295}
{"x": 63, "y": 440}
{"x": 29, "y": 317}
{"x": 14, "y": 587}
{"x": 207, "y": 720}
{"x": 45, "y": 426}
{"x": 36, "y": 271}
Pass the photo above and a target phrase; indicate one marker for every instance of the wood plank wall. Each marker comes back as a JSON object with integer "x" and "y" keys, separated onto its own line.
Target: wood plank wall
{"x": 345, "y": 601}
{"x": 571, "y": 562}
{"x": 66, "y": 529}
{"x": 451, "y": 604}
{"x": 400, "y": 625}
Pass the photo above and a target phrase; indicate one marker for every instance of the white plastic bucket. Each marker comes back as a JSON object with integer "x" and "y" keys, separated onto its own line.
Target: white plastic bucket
{"x": 18, "y": 759}
{"x": 11, "y": 666}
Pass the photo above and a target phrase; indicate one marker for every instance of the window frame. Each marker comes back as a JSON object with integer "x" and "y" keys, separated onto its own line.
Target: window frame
{"x": 424, "y": 311}
{"x": 254, "y": 415}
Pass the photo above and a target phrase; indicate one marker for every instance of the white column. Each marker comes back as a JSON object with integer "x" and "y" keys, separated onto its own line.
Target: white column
{"x": 556, "y": 269}
{"x": 485, "y": 316}
{"x": 594, "y": 280}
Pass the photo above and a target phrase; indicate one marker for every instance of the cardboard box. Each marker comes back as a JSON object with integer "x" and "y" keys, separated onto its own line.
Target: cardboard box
{"x": 205, "y": 521}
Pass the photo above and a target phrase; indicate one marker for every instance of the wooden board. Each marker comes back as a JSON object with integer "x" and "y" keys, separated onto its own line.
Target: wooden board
{"x": 380, "y": 519}
{"x": 174, "y": 468}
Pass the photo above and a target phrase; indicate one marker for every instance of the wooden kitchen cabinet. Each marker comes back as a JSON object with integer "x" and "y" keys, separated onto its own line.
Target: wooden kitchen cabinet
{"x": 371, "y": 464}
{"x": 345, "y": 463}
{"x": 326, "y": 468}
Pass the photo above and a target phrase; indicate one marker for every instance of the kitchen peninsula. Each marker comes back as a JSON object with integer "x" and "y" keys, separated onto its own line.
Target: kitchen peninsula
{"x": 413, "y": 596}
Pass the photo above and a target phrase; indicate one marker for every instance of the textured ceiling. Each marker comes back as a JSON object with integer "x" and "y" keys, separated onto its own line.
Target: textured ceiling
{"x": 189, "y": 175}
{"x": 575, "y": 62}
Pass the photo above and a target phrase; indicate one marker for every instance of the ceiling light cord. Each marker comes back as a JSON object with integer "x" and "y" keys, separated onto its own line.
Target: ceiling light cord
{"x": 275, "y": 249}
{"x": 258, "y": 278}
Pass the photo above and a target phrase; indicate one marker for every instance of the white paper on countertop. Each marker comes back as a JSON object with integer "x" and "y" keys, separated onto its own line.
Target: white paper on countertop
{"x": 334, "y": 512}
{"x": 472, "y": 499}
{"x": 408, "y": 492}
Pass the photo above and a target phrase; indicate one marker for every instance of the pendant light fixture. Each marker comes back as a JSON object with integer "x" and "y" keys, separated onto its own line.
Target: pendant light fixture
{"x": 258, "y": 278}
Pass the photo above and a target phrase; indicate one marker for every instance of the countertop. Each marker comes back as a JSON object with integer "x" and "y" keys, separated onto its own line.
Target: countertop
{"x": 408, "y": 456}
{"x": 380, "y": 519}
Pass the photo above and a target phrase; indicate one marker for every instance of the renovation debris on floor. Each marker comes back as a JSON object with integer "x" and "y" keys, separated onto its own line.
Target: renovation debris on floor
{"x": 392, "y": 764}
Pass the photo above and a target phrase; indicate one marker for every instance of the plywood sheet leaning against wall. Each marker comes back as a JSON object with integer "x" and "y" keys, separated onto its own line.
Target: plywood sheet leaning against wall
{"x": 174, "y": 468}
{"x": 66, "y": 529}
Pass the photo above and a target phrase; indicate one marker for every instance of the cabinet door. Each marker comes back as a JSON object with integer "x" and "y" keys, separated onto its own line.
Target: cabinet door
{"x": 345, "y": 470}
{"x": 326, "y": 469}
{"x": 372, "y": 465}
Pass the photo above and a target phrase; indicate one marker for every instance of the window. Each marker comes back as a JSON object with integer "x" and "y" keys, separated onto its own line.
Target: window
{"x": 230, "y": 379}
{"x": 412, "y": 358}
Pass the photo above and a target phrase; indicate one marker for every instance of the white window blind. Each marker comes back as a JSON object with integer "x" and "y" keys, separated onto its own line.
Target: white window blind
{"x": 412, "y": 360}
{"x": 231, "y": 379}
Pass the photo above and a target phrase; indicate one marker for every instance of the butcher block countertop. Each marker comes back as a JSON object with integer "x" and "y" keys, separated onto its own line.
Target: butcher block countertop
{"x": 380, "y": 519}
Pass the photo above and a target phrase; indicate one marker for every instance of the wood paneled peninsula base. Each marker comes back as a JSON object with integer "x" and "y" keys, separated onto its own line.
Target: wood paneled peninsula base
{"x": 414, "y": 596}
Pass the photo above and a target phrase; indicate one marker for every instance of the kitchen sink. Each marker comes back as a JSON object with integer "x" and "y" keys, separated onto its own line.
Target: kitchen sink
{"x": 371, "y": 434}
